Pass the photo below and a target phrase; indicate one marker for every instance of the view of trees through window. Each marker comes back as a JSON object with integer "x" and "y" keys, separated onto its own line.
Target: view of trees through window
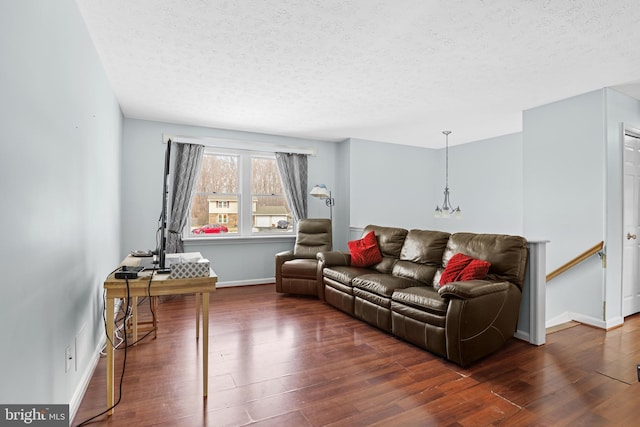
{"x": 218, "y": 201}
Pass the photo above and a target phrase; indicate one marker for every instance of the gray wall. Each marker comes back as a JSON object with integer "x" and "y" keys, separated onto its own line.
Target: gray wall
{"x": 60, "y": 178}
{"x": 235, "y": 261}
{"x": 564, "y": 196}
{"x": 391, "y": 185}
{"x": 342, "y": 210}
{"x": 485, "y": 179}
{"x": 573, "y": 156}
{"x": 398, "y": 185}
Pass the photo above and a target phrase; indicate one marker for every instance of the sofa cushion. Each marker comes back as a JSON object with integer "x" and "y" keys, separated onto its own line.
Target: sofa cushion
{"x": 421, "y": 272}
{"x": 302, "y": 268}
{"x": 314, "y": 235}
{"x": 364, "y": 252}
{"x": 507, "y": 254}
{"x": 383, "y": 284}
{"x": 337, "y": 286}
{"x": 423, "y": 297}
{"x": 390, "y": 241}
{"x": 344, "y": 274}
{"x": 424, "y": 246}
{"x": 421, "y": 255}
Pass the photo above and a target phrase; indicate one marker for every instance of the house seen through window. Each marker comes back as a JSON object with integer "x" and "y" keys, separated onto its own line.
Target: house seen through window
{"x": 239, "y": 193}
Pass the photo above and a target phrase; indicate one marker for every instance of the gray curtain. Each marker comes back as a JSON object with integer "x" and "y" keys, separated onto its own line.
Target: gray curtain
{"x": 293, "y": 173}
{"x": 188, "y": 158}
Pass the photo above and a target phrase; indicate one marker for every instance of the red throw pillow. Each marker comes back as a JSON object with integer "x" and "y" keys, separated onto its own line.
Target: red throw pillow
{"x": 477, "y": 269}
{"x": 365, "y": 252}
{"x": 454, "y": 267}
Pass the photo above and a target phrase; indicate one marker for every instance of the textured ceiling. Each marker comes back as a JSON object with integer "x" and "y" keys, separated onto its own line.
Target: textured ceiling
{"x": 397, "y": 71}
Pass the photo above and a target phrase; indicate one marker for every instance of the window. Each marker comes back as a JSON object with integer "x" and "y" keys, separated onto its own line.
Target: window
{"x": 241, "y": 190}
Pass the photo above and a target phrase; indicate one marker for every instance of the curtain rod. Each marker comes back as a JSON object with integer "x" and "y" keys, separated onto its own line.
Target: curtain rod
{"x": 238, "y": 144}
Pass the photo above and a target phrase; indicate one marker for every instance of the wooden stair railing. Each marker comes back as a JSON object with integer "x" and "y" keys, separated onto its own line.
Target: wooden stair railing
{"x": 577, "y": 260}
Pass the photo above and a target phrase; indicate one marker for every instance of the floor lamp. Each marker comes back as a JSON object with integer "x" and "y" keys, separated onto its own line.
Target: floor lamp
{"x": 320, "y": 191}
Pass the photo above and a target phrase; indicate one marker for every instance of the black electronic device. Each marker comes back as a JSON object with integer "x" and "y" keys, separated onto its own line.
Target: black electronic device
{"x": 127, "y": 272}
{"x": 162, "y": 250}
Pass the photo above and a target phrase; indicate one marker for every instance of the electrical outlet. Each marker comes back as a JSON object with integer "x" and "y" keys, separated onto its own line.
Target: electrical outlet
{"x": 68, "y": 359}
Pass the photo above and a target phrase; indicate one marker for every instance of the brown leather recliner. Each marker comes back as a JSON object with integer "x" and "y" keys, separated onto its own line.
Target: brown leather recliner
{"x": 297, "y": 271}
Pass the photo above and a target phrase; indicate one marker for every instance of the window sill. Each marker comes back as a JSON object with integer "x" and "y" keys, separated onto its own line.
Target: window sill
{"x": 232, "y": 240}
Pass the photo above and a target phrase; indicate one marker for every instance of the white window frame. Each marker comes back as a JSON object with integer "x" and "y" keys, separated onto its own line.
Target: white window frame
{"x": 245, "y": 214}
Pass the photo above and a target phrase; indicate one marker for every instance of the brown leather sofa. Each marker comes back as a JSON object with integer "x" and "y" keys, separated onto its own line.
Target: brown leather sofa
{"x": 460, "y": 321}
{"x": 297, "y": 271}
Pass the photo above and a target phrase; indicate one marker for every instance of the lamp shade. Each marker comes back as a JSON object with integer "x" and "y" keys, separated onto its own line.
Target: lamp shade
{"x": 320, "y": 191}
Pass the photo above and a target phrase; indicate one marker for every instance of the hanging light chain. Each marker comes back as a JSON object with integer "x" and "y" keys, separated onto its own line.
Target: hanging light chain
{"x": 446, "y": 153}
{"x": 447, "y": 209}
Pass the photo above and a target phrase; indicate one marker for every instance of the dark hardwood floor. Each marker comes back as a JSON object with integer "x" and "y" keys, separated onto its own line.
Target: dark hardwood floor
{"x": 278, "y": 360}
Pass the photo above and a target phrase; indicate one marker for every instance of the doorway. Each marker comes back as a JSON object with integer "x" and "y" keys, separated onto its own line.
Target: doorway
{"x": 631, "y": 224}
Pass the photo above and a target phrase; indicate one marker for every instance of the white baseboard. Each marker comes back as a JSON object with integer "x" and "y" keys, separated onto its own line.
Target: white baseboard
{"x": 558, "y": 320}
{"x": 78, "y": 395}
{"x": 615, "y": 322}
{"x": 587, "y": 320}
{"x": 522, "y": 335}
{"x": 231, "y": 283}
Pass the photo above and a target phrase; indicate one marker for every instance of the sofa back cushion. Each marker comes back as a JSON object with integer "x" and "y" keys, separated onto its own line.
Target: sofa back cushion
{"x": 390, "y": 241}
{"x": 507, "y": 255}
{"x": 314, "y": 235}
{"x": 421, "y": 255}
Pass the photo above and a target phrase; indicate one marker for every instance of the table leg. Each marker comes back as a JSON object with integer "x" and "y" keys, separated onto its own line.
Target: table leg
{"x": 205, "y": 343}
{"x": 110, "y": 338}
{"x": 197, "y": 315}
{"x": 134, "y": 321}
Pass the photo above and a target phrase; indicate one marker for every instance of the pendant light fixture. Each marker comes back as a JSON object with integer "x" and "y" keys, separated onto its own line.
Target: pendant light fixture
{"x": 447, "y": 209}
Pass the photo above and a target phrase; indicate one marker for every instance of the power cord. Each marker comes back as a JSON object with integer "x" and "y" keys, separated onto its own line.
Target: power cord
{"x": 127, "y": 315}
{"x": 124, "y": 362}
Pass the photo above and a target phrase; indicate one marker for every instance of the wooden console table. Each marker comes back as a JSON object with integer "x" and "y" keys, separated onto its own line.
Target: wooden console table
{"x": 160, "y": 285}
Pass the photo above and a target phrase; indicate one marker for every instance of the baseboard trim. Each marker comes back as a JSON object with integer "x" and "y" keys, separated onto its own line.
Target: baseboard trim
{"x": 588, "y": 320}
{"x": 616, "y": 322}
{"x": 522, "y": 335}
{"x": 78, "y": 395}
{"x": 584, "y": 319}
{"x": 232, "y": 283}
{"x": 558, "y": 320}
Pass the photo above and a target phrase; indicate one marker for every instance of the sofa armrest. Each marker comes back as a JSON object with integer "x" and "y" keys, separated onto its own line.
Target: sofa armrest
{"x": 334, "y": 258}
{"x": 284, "y": 256}
{"x": 481, "y": 316}
{"x": 472, "y": 289}
{"x": 281, "y": 258}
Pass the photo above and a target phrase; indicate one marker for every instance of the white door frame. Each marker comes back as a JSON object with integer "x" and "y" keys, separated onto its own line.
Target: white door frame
{"x": 630, "y": 272}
